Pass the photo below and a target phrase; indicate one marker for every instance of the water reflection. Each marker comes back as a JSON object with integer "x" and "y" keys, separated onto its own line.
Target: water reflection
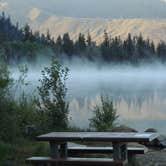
{"x": 138, "y": 94}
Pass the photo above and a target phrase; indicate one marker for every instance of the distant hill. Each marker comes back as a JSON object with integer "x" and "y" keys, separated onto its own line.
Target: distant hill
{"x": 155, "y": 29}
{"x": 74, "y": 16}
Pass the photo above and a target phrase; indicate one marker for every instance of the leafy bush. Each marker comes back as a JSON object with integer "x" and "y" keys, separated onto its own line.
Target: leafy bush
{"x": 53, "y": 108}
{"x": 16, "y": 112}
{"x": 104, "y": 115}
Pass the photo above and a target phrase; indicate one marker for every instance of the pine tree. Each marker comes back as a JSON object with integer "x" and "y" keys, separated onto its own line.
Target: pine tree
{"x": 27, "y": 32}
{"x": 105, "y": 47}
{"x": 67, "y": 45}
{"x": 80, "y": 44}
{"x": 58, "y": 45}
{"x": 89, "y": 41}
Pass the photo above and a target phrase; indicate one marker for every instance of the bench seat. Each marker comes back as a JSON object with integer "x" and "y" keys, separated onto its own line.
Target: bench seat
{"x": 75, "y": 161}
{"x": 105, "y": 150}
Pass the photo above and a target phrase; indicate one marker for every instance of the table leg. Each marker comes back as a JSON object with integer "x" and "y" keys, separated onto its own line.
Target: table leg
{"x": 63, "y": 150}
{"x": 119, "y": 151}
{"x": 54, "y": 150}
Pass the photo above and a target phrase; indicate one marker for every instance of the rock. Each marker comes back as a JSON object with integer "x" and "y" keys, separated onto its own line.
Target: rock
{"x": 123, "y": 129}
{"x": 151, "y": 130}
{"x": 159, "y": 142}
{"x": 163, "y": 143}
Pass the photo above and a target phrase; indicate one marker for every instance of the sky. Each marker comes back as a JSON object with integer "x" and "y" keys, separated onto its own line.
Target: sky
{"x": 86, "y": 8}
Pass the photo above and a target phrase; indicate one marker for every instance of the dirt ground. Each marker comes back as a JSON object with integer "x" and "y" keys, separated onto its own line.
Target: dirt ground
{"x": 153, "y": 158}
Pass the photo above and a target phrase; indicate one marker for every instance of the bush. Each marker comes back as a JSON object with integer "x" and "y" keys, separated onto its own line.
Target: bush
{"x": 104, "y": 115}
{"x": 16, "y": 112}
{"x": 53, "y": 108}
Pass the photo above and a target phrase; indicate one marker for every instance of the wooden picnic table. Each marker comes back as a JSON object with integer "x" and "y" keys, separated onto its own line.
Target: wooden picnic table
{"x": 58, "y": 141}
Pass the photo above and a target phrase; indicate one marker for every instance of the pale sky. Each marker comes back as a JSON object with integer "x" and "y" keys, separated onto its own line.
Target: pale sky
{"x": 88, "y": 8}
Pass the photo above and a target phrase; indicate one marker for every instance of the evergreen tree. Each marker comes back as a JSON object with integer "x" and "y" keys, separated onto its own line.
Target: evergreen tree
{"x": 104, "y": 115}
{"x": 67, "y": 45}
{"x": 89, "y": 41}
{"x": 48, "y": 38}
{"x": 161, "y": 51}
{"x": 152, "y": 48}
{"x": 105, "y": 47}
{"x": 27, "y": 32}
{"x": 129, "y": 45}
{"x": 140, "y": 47}
{"x": 58, "y": 45}
{"x": 80, "y": 45}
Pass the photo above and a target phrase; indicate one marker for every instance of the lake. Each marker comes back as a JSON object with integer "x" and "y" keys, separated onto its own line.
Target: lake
{"x": 138, "y": 94}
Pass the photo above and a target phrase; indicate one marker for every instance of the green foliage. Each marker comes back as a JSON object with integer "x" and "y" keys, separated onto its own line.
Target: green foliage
{"x": 53, "y": 108}
{"x": 4, "y": 78}
{"x": 105, "y": 47}
{"x": 15, "y": 113}
{"x": 5, "y": 150}
{"x": 80, "y": 44}
{"x": 20, "y": 44}
{"x": 6, "y": 105}
{"x": 104, "y": 115}
{"x": 67, "y": 45}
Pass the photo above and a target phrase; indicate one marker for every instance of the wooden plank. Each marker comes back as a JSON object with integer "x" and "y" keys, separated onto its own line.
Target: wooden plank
{"x": 76, "y": 161}
{"x": 104, "y": 150}
{"x": 98, "y": 136}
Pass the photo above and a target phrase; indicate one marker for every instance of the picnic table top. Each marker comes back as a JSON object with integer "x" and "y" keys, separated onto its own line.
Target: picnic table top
{"x": 98, "y": 136}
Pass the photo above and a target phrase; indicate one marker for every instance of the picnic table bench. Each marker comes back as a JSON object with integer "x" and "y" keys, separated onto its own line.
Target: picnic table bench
{"x": 132, "y": 151}
{"x": 60, "y": 151}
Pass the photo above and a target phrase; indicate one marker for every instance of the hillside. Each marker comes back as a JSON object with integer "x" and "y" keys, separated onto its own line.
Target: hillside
{"x": 155, "y": 29}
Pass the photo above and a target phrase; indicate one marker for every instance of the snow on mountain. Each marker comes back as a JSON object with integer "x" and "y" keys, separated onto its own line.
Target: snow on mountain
{"x": 155, "y": 29}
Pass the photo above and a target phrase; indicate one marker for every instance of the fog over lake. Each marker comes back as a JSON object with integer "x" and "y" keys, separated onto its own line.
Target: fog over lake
{"x": 138, "y": 93}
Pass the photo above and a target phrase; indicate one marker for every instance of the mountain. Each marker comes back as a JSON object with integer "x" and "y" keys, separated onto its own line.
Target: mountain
{"x": 155, "y": 29}
{"x": 118, "y": 17}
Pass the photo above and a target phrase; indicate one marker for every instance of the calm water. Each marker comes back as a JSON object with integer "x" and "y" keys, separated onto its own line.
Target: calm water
{"x": 139, "y": 94}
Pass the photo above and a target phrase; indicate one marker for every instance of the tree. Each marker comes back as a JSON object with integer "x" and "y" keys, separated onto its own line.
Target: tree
{"x": 105, "y": 47}
{"x": 5, "y": 81}
{"x": 27, "y": 32}
{"x": 52, "y": 93}
{"x": 58, "y": 45}
{"x": 152, "y": 48}
{"x": 141, "y": 47}
{"x": 48, "y": 37}
{"x": 89, "y": 41}
{"x": 161, "y": 51}
{"x": 104, "y": 115}
{"x": 67, "y": 44}
{"x": 129, "y": 46}
{"x": 80, "y": 45}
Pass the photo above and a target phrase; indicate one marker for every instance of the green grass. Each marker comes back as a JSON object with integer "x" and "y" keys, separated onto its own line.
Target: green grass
{"x": 15, "y": 154}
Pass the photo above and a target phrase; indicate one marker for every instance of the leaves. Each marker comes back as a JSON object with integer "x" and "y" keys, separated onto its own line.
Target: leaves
{"x": 104, "y": 115}
{"x": 52, "y": 93}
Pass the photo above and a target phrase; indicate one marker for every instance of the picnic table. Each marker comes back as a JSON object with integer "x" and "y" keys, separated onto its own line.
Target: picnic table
{"x": 59, "y": 141}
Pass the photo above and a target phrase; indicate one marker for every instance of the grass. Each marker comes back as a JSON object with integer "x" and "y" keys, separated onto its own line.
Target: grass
{"x": 15, "y": 154}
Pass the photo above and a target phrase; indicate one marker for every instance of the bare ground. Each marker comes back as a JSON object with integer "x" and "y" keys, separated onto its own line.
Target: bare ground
{"x": 153, "y": 158}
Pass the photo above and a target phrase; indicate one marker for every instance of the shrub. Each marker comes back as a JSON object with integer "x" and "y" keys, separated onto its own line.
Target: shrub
{"x": 53, "y": 108}
{"x": 16, "y": 111}
{"x": 104, "y": 115}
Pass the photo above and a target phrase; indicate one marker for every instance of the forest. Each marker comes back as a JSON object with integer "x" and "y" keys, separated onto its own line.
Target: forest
{"x": 19, "y": 44}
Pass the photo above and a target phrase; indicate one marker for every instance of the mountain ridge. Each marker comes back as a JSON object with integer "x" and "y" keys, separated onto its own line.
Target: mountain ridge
{"x": 154, "y": 29}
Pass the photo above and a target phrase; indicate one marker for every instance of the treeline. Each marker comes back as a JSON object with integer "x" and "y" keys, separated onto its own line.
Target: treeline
{"x": 21, "y": 43}
{"x": 112, "y": 50}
